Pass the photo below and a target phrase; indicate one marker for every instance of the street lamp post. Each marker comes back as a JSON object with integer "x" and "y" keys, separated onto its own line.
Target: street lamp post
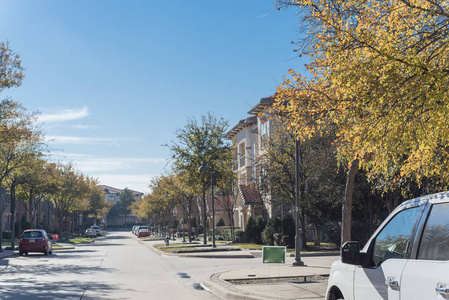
{"x": 1, "y": 218}
{"x": 203, "y": 168}
{"x": 298, "y": 261}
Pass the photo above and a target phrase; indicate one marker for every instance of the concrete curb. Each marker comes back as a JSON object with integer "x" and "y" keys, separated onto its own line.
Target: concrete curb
{"x": 64, "y": 248}
{"x": 226, "y": 290}
{"x": 199, "y": 255}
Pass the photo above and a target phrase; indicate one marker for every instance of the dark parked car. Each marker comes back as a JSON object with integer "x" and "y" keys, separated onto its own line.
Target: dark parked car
{"x": 35, "y": 240}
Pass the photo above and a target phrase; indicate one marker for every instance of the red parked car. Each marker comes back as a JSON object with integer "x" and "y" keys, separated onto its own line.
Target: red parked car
{"x": 35, "y": 240}
{"x": 143, "y": 232}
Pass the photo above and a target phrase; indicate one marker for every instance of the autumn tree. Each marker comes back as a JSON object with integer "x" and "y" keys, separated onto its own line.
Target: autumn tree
{"x": 179, "y": 194}
{"x": 68, "y": 192}
{"x": 126, "y": 198}
{"x": 198, "y": 143}
{"x": 35, "y": 179}
{"x": 19, "y": 137}
{"x": 94, "y": 201}
{"x": 226, "y": 184}
{"x": 379, "y": 74}
{"x": 319, "y": 183}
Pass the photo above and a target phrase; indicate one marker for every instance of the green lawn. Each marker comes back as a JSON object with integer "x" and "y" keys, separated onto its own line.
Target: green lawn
{"x": 247, "y": 246}
{"x": 78, "y": 240}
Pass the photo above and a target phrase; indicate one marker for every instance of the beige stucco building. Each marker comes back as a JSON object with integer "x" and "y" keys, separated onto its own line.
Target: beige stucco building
{"x": 248, "y": 136}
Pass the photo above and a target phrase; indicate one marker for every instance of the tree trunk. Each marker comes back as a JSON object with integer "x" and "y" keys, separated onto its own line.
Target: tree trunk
{"x": 347, "y": 202}
{"x": 13, "y": 214}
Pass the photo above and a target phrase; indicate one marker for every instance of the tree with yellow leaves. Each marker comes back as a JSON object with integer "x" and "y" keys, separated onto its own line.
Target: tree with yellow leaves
{"x": 379, "y": 73}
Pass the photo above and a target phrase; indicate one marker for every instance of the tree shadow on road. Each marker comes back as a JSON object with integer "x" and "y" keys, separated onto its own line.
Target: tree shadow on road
{"x": 47, "y": 281}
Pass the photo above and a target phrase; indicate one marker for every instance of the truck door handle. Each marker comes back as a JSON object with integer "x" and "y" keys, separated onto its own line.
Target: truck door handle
{"x": 442, "y": 289}
{"x": 392, "y": 283}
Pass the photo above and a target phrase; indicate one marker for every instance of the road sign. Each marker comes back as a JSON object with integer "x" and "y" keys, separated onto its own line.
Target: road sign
{"x": 273, "y": 254}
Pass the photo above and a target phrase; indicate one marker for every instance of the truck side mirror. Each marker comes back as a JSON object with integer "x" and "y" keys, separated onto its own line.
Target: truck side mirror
{"x": 350, "y": 253}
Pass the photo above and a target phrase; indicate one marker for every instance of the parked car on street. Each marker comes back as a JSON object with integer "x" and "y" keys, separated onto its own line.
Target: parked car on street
{"x": 35, "y": 240}
{"x": 136, "y": 232}
{"x": 406, "y": 258}
{"x": 143, "y": 232}
{"x": 97, "y": 229}
{"x": 133, "y": 230}
{"x": 90, "y": 233}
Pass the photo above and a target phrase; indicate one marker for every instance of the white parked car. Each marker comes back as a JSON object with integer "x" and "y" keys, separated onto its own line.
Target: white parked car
{"x": 90, "y": 233}
{"x": 97, "y": 229}
{"x": 406, "y": 258}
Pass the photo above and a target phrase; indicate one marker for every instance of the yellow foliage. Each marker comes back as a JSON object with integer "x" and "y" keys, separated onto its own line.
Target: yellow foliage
{"x": 379, "y": 72}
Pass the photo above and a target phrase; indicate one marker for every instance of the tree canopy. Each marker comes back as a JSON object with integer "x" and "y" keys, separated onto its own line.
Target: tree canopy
{"x": 379, "y": 73}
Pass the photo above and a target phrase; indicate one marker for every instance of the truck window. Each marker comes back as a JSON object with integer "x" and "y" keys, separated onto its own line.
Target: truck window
{"x": 435, "y": 240}
{"x": 393, "y": 240}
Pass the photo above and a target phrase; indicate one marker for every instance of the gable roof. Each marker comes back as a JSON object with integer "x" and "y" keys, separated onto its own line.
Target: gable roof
{"x": 237, "y": 128}
{"x": 112, "y": 190}
{"x": 261, "y": 106}
{"x": 250, "y": 194}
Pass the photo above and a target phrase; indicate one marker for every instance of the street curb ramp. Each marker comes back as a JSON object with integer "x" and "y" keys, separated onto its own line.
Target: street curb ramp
{"x": 226, "y": 290}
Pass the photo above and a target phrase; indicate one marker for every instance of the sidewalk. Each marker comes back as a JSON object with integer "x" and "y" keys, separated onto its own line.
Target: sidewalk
{"x": 274, "y": 282}
{"x": 277, "y": 281}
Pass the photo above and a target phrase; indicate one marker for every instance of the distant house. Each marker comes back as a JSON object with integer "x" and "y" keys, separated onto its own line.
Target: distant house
{"x": 223, "y": 209}
{"x": 112, "y": 195}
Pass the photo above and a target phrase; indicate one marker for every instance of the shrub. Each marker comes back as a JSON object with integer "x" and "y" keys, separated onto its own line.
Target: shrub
{"x": 7, "y": 235}
{"x": 254, "y": 230}
{"x": 226, "y": 232}
{"x": 288, "y": 226}
{"x": 240, "y": 236}
{"x": 277, "y": 239}
{"x": 332, "y": 232}
{"x": 221, "y": 223}
{"x": 273, "y": 226}
{"x": 288, "y": 241}
{"x": 268, "y": 236}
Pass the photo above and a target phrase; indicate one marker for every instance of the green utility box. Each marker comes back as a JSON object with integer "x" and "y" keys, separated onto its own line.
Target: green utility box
{"x": 273, "y": 254}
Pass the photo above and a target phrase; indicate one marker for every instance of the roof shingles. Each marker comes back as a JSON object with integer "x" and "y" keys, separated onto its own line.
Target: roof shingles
{"x": 250, "y": 194}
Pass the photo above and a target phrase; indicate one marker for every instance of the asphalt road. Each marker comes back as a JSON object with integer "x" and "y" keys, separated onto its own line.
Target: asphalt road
{"x": 113, "y": 267}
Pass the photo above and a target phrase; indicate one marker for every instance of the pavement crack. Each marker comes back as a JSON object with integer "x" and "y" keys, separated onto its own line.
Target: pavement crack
{"x": 93, "y": 275}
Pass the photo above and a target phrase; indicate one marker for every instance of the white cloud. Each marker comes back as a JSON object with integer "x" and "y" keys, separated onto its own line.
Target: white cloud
{"x": 81, "y": 126}
{"x": 120, "y": 172}
{"x": 100, "y": 164}
{"x": 59, "y": 139}
{"x": 64, "y": 115}
{"x": 263, "y": 16}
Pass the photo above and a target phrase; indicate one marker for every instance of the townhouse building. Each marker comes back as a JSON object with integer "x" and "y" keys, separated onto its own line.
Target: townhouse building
{"x": 248, "y": 136}
{"x": 112, "y": 195}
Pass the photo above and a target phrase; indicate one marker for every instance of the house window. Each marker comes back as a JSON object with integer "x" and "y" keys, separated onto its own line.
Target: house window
{"x": 242, "y": 160}
{"x": 111, "y": 198}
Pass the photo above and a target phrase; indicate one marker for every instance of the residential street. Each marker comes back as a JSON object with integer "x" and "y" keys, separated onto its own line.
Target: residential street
{"x": 118, "y": 266}
{"x": 113, "y": 267}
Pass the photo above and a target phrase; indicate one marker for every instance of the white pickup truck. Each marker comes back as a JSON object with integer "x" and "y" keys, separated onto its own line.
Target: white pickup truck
{"x": 406, "y": 258}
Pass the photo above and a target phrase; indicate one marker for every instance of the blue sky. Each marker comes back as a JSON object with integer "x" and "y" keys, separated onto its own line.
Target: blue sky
{"x": 113, "y": 80}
